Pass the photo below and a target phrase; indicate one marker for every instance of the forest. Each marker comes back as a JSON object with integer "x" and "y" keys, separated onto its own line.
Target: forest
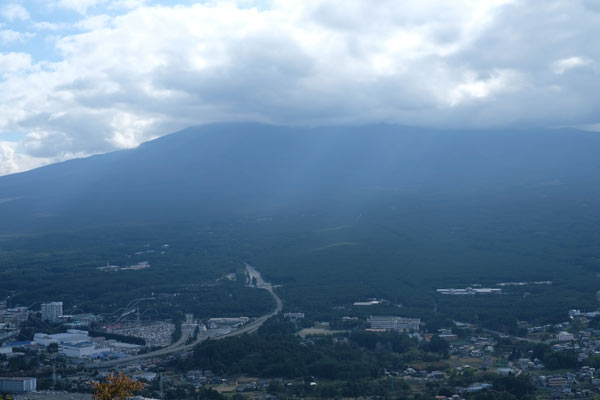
{"x": 320, "y": 264}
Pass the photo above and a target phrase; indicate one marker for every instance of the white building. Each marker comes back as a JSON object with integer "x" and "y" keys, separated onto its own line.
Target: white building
{"x": 78, "y": 350}
{"x": 73, "y": 336}
{"x": 366, "y": 303}
{"x": 52, "y": 311}
{"x": 564, "y": 337}
{"x": 394, "y": 323}
{"x": 293, "y": 315}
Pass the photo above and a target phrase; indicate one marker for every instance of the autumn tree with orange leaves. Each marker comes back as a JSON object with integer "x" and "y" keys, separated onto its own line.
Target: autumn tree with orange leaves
{"x": 116, "y": 387}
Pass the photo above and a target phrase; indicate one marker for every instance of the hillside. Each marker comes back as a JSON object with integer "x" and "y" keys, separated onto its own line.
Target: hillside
{"x": 230, "y": 171}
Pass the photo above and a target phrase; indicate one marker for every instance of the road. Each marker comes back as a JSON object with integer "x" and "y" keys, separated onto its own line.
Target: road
{"x": 180, "y": 345}
{"x": 504, "y": 334}
{"x": 511, "y": 336}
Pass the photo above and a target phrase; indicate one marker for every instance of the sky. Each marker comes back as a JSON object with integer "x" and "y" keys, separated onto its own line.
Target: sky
{"x": 82, "y": 77}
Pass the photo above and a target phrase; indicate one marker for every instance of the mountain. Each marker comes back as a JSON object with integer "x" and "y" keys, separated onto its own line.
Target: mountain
{"x": 228, "y": 172}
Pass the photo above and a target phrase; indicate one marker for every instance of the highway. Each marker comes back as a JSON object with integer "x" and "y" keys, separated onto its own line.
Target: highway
{"x": 503, "y": 334}
{"x": 180, "y": 345}
{"x": 511, "y": 336}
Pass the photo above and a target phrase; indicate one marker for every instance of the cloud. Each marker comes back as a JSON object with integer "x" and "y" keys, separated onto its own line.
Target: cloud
{"x": 8, "y": 36}
{"x": 12, "y": 12}
{"x": 80, "y": 6}
{"x": 561, "y": 66}
{"x": 133, "y": 71}
{"x": 11, "y": 63}
{"x": 12, "y": 161}
{"x": 83, "y": 6}
{"x": 50, "y": 26}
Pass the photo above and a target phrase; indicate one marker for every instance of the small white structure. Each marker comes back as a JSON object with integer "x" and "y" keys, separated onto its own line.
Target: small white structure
{"x": 564, "y": 337}
{"x": 293, "y": 315}
{"x": 367, "y": 303}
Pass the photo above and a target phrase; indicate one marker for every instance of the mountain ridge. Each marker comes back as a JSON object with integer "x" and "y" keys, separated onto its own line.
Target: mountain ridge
{"x": 243, "y": 170}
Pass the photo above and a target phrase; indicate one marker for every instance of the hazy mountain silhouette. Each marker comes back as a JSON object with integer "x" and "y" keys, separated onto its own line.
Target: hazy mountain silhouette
{"x": 229, "y": 171}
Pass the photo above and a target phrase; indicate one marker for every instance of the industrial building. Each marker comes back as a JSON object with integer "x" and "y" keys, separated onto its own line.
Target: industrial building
{"x": 15, "y": 385}
{"x": 72, "y": 336}
{"x": 74, "y": 343}
{"x": 394, "y": 323}
{"x": 52, "y": 312}
{"x": 78, "y": 350}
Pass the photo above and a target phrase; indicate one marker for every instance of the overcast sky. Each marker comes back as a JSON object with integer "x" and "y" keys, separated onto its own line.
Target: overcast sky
{"x": 79, "y": 77}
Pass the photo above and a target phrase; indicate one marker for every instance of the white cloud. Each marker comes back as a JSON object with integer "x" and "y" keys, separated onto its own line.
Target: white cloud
{"x": 8, "y": 36}
{"x": 590, "y": 127}
{"x": 12, "y": 161}
{"x": 14, "y": 12}
{"x": 473, "y": 87}
{"x": 153, "y": 69}
{"x": 93, "y": 23}
{"x": 561, "y": 66}
{"x": 11, "y": 63}
{"x": 50, "y": 26}
{"x": 80, "y": 6}
{"x": 126, "y": 4}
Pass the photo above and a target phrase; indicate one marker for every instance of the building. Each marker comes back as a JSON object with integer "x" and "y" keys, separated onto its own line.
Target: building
{"x": 366, "y": 303}
{"x": 293, "y": 315}
{"x": 74, "y": 343}
{"x": 72, "y": 336}
{"x": 564, "y": 337}
{"x": 14, "y": 315}
{"x": 394, "y": 323}
{"x": 52, "y": 311}
{"x": 17, "y": 385}
{"x": 556, "y": 381}
{"x": 78, "y": 350}
{"x": 469, "y": 291}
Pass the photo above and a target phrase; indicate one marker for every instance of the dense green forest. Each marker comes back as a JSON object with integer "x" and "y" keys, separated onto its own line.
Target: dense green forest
{"x": 184, "y": 277}
{"x": 276, "y": 352}
{"x": 322, "y": 264}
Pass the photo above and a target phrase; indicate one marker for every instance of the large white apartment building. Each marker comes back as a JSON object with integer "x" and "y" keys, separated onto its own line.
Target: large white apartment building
{"x": 52, "y": 311}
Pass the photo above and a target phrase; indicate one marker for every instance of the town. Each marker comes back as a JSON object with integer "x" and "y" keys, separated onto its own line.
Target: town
{"x": 553, "y": 361}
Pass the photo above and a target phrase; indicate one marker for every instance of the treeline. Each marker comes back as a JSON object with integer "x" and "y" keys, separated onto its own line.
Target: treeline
{"x": 276, "y": 352}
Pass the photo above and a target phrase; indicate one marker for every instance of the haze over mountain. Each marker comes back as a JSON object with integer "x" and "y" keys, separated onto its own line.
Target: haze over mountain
{"x": 230, "y": 172}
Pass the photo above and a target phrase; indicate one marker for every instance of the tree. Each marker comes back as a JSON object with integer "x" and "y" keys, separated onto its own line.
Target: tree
{"x": 116, "y": 387}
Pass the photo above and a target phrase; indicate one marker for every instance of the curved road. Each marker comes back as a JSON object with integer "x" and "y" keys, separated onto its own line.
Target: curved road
{"x": 180, "y": 344}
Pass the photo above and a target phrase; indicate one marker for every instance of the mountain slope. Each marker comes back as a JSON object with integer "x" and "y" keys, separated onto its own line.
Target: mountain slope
{"x": 228, "y": 171}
